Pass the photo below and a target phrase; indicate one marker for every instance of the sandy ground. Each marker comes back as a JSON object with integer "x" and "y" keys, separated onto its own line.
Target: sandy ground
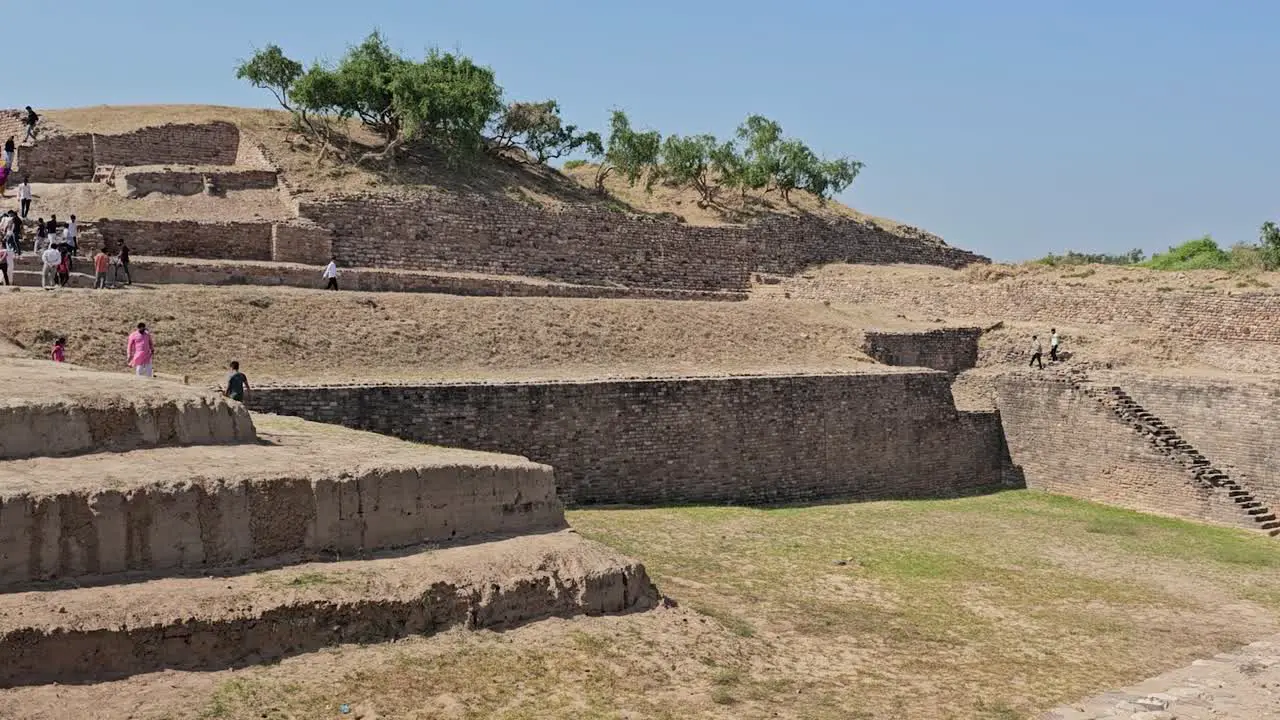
{"x": 294, "y": 335}
{"x": 91, "y": 201}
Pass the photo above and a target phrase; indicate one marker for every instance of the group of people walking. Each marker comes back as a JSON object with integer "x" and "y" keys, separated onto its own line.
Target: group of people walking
{"x": 1037, "y": 349}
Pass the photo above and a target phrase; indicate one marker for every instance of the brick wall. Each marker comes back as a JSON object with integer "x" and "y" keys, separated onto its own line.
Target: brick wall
{"x": 1235, "y": 424}
{"x": 590, "y": 245}
{"x": 735, "y": 440}
{"x": 186, "y": 238}
{"x": 947, "y": 349}
{"x": 214, "y": 143}
{"x": 301, "y": 242}
{"x": 1068, "y": 443}
{"x": 136, "y": 183}
{"x": 57, "y": 159}
{"x": 1200, "y": 314}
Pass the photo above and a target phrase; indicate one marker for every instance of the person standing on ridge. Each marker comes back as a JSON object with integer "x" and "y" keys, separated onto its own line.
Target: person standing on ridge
{"x": 140, "y": 350}
{"x": 331, "y": 274}
{"x": 1053, "y": 345}
{"x": 32, "y": 119}
{"x": 24, "y": 196}
{"x": 237, "y": 383}
{"x": 1037, "y": 350}
{"x": 9, "y": 147}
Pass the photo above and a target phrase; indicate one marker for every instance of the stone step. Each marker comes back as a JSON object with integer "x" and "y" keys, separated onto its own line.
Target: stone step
{"x": 1265, "y": 518}
{"x": 307, "y": 490}
{"x": 57, "y": 409}
{"x": 217, "y": 622}
{"x": 1271, "y": 525}
{"x": 1238, "y": 493}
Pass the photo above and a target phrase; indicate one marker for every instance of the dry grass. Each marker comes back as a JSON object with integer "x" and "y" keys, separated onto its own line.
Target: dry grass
{"x": 294, "y": 335}
{"x": 990, "y": 608}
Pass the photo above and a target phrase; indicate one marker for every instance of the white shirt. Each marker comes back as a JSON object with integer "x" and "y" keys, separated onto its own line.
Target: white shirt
{"x": 51, "y": 257}
{"x": 330, "y": 270}
{"x": 72, "y": 230}
{"x": 24, "y": 191}
{"x": 1053, "y": 341}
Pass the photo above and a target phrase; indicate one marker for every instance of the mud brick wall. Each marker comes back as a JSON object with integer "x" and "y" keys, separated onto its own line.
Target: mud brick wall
{"x": 301, "y": 242}
{"x": 186, "y": 238}
{"x": 947, "y": 349}
{"x": 56, "y": 159}
{"x": 1235, "y": 424}
{"x": 190, "y": 181}
{"x": 1068, "y": 443}
{"x": 690, "y": 440}
{"x": 215, "y": 143}
{"x": 1199, "y": 314}
{"x": 594, "y": 246}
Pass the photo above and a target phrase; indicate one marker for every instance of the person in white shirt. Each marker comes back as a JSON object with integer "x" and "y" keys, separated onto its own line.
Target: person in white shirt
{"x": 331, "y": 274}
{"x": 24, "y": 196}
{"x": 73, "y": 232}
{"x": 49, "y": 274}
{"x": 1053, "y": 345}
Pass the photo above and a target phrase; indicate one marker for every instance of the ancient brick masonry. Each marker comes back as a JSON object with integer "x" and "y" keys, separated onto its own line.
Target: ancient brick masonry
{"x": 594, "y": 246}
{"x": 73, "y": 158}
{"x": 1067, "y": 442}
{"x": 948, "y": 349}
{"x": 734, "y": 440}
{"x": 188, "y": 238}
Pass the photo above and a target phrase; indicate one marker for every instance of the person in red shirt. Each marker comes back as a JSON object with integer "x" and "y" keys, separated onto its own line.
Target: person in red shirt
{"x": 100, "y": 264}
{"x": 59, "y": 353}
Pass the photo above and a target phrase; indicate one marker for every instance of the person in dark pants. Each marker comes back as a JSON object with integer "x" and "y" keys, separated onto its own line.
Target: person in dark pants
{"x": 331, "y": 274}
{"x": 124, "y": 261}
{"x": 1053, "y": 345}
{"x": 1037, "y": 350}
{"x": 24, "y": 197}
{"x": 9, "y": 147}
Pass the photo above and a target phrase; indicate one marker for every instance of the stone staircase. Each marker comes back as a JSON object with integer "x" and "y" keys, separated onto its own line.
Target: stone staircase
{"x": 105, "y": 174}
{"x": 1168, "y": 442}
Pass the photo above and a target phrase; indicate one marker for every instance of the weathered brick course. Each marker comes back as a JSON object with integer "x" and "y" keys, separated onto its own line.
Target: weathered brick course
{"x": 1068, "y": 443}
{"x": 948, "y": 349}
{"x": 735, "y": 440}
{"x": 589, "y": 245}
{"x": 187, "y": 238}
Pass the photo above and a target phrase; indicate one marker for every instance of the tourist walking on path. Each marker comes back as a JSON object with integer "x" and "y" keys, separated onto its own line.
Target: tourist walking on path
{"x": 7, "y": 222}
{"x": 1037, "y": 350}
{"x": 24, "y": 196}
{"x": 1053, "y": 345}
{"x": 331, "y": 274}
{"x": 124, "y": 261}
{"x": 32, "y": 119}
{"x": 49, "y": 272}
{"x": 9, "y": 147}
{"x": 101, "y": 262}
{"x": 42, "y": 236}
{"x": 5, "y": 253}
{"x": 139, "y": 350}
{"x": 72, "y": 234}
{"x": 237, "y": 383}
{"x": 59, "y": 353}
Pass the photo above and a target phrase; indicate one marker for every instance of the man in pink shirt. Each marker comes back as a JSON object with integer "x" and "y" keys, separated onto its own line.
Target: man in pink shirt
{"x": 139, "y": 349}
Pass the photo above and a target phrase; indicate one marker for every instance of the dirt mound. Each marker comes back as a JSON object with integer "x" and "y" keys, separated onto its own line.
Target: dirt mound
{"x": 300, "y": 335}
{"x": 544, "y": 187}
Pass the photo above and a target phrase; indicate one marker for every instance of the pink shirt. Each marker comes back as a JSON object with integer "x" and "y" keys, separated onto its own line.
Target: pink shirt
{"x": 139, "y": 348}
{"x": 59, "y": 355}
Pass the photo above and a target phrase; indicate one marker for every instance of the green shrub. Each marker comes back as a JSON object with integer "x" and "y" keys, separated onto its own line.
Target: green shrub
{"x": 1201, "y": 254}
{"x": 574, "y": 164}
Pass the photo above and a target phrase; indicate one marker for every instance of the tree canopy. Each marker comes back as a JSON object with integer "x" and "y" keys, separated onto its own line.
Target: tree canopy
{"x": 448, "y": 102}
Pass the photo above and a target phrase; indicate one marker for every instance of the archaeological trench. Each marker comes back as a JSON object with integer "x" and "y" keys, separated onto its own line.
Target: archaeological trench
{"x": 125, "y": 504}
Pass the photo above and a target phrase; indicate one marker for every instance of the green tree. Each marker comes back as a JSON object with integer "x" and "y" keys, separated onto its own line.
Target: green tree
{"x": 446, "y": 100}
{"x": 271, "y": 70}
{"x": 691, "y": 160}
{"x": 1270, "y": 240}
{"x": 760, "y": 156}
{"x": 540, "y": 131}
{"x": 632, "y": 153}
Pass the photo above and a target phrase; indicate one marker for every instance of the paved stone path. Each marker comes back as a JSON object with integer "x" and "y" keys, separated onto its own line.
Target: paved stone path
{"x": 1244, "y": 685}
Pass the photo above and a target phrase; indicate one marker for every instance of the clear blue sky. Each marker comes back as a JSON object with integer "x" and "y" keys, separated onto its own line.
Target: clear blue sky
{"x": 1011, "y": 127}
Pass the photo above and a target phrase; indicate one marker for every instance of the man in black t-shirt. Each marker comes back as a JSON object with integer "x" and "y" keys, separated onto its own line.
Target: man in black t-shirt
{"x": 32, "y": 119}
{"x": 237, "y": 383}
